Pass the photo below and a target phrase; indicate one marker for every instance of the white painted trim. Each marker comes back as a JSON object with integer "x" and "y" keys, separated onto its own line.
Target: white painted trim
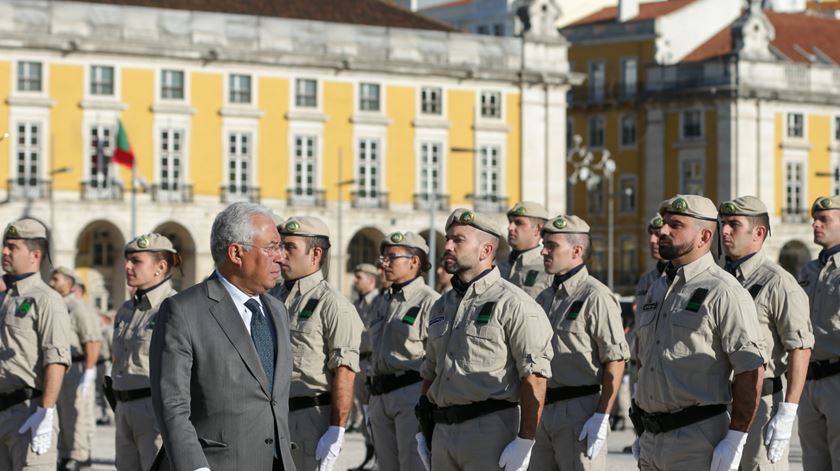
{"x": 45, "y": 77}
{"x": 254, "y": 90}
{"x": 176, "y": 122}
{"x": 444, "y": 103}
{"x": 315, "y": 129}
{"x": 88, "y": 76}
{"x": 247, "y": 126}
{"x": 702, "y": 137}
{"x": 357, "y": 99}
{"x": 439, "y": 136}
{"x": 319, "y": 93}
{"x": 185, "y": 100}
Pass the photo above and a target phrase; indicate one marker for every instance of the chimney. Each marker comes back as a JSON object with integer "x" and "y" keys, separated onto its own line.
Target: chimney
{"x": 627, "y": 10}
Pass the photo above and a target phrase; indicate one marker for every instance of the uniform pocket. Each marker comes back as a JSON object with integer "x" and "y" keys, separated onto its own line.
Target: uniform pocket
{"x": 483, "y": 351}
{"x": 689, "y": 333}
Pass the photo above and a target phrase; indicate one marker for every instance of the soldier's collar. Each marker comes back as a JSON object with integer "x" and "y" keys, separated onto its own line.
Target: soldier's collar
{"x": 569, "y": 279}
{"x": 480, "y": 282}
{"x": 828, "y": 254}
{"x": 409, "y": 288}
{"x": 306, "y": 283}
{"x": 750, "y": 263}
{"x": 18, "y": 282}
{"x": 371, "y": 295}
{"x": 696, "y": 267}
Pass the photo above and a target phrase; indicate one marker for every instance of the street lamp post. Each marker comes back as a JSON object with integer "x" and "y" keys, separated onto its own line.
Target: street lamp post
{"x": 54, "y": 172}
{"x": 591, "y": 169}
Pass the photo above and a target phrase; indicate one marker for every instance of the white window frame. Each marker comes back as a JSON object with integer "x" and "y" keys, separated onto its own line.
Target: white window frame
{"x": 789, "y": 127}
{"x": 372, "y": 192}
{"x": 44, "y": 78}
{"x": 685, "y": 161}
{"x": 182, "y": 154}
{"x": 595, "y": 197}
{"x": 250, "y": 172}
{"x": 702, "y": 125}
{"x": 89, "y": 81}
{"x": 589, "y": 130}
{"x": 500, "y": 170}
{"x": 622, "y": 251}
{"x": 625, "y": 90}
{"x": 802, "y": 185}
{"x": 41, "y": 170}
{"x": 159, "y": 88}
{"x": 835, "y": 134}
{"x": 360, "y": 86}
{"x": 597, "y": 88}
{"x": 316, "y": 163}
{"x": 499, "y": 29}
{"x": 500, "y": 107}
{"x": 420, "y": 189}
{"x": 622, "y": 117}
{"x": 318, "y": 93}
{"x": 441, "y": 90}
{"x": 632, "y": 182}
{"x": 108, "y": 151}
{"x": 229, "y": 89}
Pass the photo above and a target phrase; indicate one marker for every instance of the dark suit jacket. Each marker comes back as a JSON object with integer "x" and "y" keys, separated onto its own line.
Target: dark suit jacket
{"x": 210, "y": 393}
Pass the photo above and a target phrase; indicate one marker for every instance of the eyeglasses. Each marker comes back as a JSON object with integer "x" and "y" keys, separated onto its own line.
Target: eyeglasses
{"x": 391, "y": 257}
{"x": 272, "y": 249}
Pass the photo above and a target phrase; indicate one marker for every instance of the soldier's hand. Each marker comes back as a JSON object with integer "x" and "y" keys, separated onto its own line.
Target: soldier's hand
{"x": 86, "y": 382}
{"x": 727, "y": 455}
{"x": 423, "y": 450}
{"x": 328, "y": 447}
{"x": 516, "y": 455}
{"x": 595, "y": 432}
{"x": 637, "y": 449}
{"x": 40, "y": 424}
{"x": 779, "y": 430}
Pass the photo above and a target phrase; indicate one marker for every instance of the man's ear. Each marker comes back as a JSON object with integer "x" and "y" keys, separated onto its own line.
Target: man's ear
{"x": 234, "y": 253}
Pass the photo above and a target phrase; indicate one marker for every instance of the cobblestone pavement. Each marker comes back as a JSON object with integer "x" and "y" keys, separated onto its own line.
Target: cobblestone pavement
{"x": 354, "y": 450}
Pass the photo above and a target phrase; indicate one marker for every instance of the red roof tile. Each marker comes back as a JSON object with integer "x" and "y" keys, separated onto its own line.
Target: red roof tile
{"x": 455, "y": 3}
{"x": 647, "y": 11}
{"x": 799, "y": 37}
{"x": 361, "y": 12}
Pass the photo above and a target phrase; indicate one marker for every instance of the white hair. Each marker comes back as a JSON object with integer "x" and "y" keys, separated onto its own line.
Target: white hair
{"x": 234, "y": 225}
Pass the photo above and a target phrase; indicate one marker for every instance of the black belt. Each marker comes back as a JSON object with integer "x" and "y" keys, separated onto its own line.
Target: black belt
{"x": 462, "y": 413}
{"x": 383, "y": 384}
{"x": 771, "y": 386}
{"x": 563, "y": 393}
{"x": 665, "y": 422}
{"x": 14, "y": 398}
{"x": 365, "y": 356}
{"x": 823, "y": 369}
{"x": 132, "y": 394}
{"x": 302, "y": 402}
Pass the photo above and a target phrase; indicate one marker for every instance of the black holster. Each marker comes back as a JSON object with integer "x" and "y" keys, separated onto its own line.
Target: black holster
{"x": 636, "y": 417}
{"x": 108, "y": 389}
{"x": 424, "y": 410}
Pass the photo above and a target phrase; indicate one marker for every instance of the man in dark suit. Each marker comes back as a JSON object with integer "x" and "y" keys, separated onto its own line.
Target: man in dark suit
{"x": 220, "y": 358}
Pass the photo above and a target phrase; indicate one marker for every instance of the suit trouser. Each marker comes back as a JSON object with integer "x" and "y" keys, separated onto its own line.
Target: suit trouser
{"x": 686, "y": 448}
{"x": 75, "y": 437}
{"x": 623, "y": 399}
{"x": 137, "y": 435}
{"x": 306, "y": 427}
{"x": 15, "y": 451}
{"x": 474, "y": 445}
{"x": 394, "y": 429}
{"x": 819, "y": 424}
{"x": 102, "y": 409}
{"x": 558, "y": 447}
{"x": 754, "y": 457}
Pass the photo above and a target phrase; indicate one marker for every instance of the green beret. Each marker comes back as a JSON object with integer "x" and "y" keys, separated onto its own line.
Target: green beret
{"x": 26, "y": 228}
{"x": 528, "y": 209}
{"x": 743, "y": 206}
{"x": 404, "y": 239}
{"x": 305, "y": 226}
{"x": 468, "y": 217}
{"x": 566, "y": 225}
{"x": 825, "y": 203}
{"x": 695, "y": 206}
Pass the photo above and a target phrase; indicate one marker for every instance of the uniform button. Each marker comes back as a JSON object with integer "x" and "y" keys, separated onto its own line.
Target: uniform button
{"x": 651, "y": 368}
{"x": 273, "y": 403}
{"x": 269, "y": 441}
{"x": 658, "y": 342}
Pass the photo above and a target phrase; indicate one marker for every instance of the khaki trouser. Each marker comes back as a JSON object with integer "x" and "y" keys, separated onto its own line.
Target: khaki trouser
{"x": 394, "y": 428}
{"x": 754, "y": 457}
{"x": 474, "y": 445}
{"x": 75, "y": 438}
{"x": 686, "y": 448}
{"x": 819, "y": 424}
{"x": 360, "y": 399}
{"x": 306, "y": 427}
{"x": 15, "y": 451}
{"x": 103, "y": 409}
{"x": 137, "y": 435}
{"x": 558, "y": 447}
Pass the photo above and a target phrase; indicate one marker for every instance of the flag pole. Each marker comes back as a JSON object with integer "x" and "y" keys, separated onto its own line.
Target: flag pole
{"x": 133, "y": 200}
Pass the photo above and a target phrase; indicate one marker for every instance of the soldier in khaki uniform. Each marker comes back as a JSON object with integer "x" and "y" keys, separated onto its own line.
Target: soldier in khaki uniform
{"x": 365, "y": 276}
{"x": 819, "y": 413}
{"x": 325, "y": 336}
{"x": 34, "y": 352}
{"x": 697, "y": 328}
{"x": 524, "y": 266}
{"x": 589, "y": 354}
{"x": 488, "y": 349}
{"x": 398, "y": 331}
{"x": 75, "y": 403}
{"x": 785, "y": 326}
{"x": 150, "y": 259}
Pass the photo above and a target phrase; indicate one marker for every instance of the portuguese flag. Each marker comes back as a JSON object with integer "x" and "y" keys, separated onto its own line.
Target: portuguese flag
{"x": 123, "y": 155}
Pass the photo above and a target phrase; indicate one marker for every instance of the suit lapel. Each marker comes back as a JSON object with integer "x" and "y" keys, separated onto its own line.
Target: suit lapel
{"x": 281, "y": 329}
{"x": 226, "y": 314}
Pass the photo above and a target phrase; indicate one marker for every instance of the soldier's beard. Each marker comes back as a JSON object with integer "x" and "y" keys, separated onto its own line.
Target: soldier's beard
{"x": 671, "y": 250}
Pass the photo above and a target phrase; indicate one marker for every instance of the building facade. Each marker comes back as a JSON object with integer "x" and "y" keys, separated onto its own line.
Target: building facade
{"x": 362, "y": 113}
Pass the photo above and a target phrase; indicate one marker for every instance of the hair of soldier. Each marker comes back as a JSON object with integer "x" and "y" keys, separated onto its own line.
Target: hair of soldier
{"x": 322, "y": 243}
{"x": 234, "y": 225}
{"x": 582, "y": 240}
{"x": 760, "y": 220}
{"x": 40, "y": 244}
{"x": 172, "y": 260}
{"x": 488, "y": 238}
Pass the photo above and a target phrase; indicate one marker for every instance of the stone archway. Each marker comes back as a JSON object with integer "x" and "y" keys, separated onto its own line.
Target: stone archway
{"x": 363, "y": 247}
{"x": 185, "y": 245}
{"x": 100, "y": 262}
{"x": 440, "y": 240}
{"x": 793, "y": 256}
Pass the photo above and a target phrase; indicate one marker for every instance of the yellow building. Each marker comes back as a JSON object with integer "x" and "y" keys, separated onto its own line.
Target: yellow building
{"x": 698, "y": 96}
{"x": 363, "y": 114}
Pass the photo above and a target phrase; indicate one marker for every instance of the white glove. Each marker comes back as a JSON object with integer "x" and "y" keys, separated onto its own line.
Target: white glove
{"x": 637, "y": 449}
{"x": 328, "y": 447}
{"x": 87, "y": 381}
{"x": 423, "y": 450}
{"x": 779, "y": 430}
{"x": 595, "y": 432}
{"x": 727, "y": 455}
{"x": 41, "y": 425}
{"x": 516, "y": 455}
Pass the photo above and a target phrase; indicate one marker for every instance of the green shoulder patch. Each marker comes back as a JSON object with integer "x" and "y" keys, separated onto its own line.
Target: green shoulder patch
{"x": 697, "y": 299}
{"x": 531, "y": 277}
{"x": 308, "y": 309}
{"x": 410, "y": 317}
{"x": 486, "y": 313}
{"x": 574, "y": 311}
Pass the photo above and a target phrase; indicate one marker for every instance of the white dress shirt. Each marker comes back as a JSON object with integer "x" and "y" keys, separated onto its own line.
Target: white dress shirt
{"x": 239, "y": 299}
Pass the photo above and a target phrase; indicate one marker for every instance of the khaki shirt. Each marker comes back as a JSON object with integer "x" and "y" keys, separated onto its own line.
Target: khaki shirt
{"x": 645, "y": 282}
{"x": 782, "y": 308}
{"x": 473, "y": 356}
{"x": 34, "y": 333}
{"x": 364, "y": 306}
{"x": 133, "y": 326}
{"x": 527, "y": 272}
{"x": 400, "y": 327}
{"x": 688, "y": 348}
{"x": 107, "y": 341}
{"x": 84, "y": 327}
{"x": 322, "y": 339}
{"x": 586, "y": 321}
{"x": 822, "y": 284}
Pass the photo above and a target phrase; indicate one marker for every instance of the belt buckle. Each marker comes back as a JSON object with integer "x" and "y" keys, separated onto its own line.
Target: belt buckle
{"x": 651, "y": 425}
{"x": 451, "y": 415}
